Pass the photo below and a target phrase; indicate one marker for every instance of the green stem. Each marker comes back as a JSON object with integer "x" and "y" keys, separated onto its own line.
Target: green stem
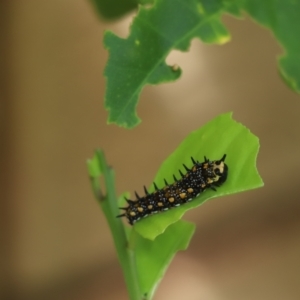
{"x": 109, "y": 205}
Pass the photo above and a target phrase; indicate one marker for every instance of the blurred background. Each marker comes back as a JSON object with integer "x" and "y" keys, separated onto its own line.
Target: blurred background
{"x": 55, "y": 243}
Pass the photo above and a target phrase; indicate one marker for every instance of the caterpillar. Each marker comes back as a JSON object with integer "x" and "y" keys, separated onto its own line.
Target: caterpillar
{"x": 201, "y": 176}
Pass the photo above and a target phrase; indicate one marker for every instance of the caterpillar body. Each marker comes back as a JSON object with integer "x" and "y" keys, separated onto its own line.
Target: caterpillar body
{"x": 201, "y": 176}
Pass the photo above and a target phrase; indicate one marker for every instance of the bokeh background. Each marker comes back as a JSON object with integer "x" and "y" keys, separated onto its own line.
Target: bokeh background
{"x": 55, "y": 243}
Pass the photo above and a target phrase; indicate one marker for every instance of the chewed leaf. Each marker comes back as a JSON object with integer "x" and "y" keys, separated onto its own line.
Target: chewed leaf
{"x": 140, "y": 59}
{"x": 220, "y": 136}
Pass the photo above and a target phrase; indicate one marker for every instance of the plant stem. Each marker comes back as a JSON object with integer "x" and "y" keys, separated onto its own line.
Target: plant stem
{"x": 109, "y": 206}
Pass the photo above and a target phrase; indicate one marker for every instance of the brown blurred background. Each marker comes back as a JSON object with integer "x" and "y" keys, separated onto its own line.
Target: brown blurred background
{"x": 55, "y": 243}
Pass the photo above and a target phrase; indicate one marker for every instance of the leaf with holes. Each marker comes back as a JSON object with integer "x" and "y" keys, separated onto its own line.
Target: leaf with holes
{"x": 140, "y": 59}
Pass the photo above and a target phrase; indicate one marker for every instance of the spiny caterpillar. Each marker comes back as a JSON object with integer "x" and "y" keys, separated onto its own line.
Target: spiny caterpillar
{"x": 208, "y": 174}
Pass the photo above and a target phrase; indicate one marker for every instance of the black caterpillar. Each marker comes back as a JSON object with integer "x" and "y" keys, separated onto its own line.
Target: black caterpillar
{"x": 201, "y": 176}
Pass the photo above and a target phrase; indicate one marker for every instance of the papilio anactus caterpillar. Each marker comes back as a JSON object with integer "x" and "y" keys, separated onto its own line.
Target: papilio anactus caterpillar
{"x": 201, "y": 176}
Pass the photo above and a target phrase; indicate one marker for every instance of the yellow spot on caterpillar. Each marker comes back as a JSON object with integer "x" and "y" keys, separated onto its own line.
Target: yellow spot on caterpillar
{"x": 203, "y": 185}
{"x": 167, "y": 194}
{"x": 160, "y": 204}
{"x": 182, "y": 195}
{"x": 219, "y": 166}
{"x": 209, "y": 180}
{"x": 216, "y": 178}
{"x": 194, "y": 169}
{"x": 132, "y": 213}
{"x": 140, "y": 209}
{"x": 171, "y": 199}
{"x": 205, "y": 166}
{"x": 150, "y": 206}
{"x": 190, "y": 190}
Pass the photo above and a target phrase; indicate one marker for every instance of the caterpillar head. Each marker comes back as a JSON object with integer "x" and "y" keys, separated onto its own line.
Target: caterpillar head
{"x": 220, "y": 171}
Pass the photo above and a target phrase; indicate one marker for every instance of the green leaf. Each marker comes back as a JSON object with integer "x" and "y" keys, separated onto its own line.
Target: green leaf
{"x": 98, "y": 167}
{"x": 282, "y": 17}
{"x": 153, "y": 257}
{"x": 219, "y": 136}
{"x": 140, "y": 59}
{"x": 171, "y": 24}
{"x": 111, "y": 9}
